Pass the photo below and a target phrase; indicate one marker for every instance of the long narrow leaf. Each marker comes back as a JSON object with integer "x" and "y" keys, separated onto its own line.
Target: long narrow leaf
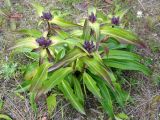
{"x": 40, "y": 76}
{"x": 61, "y": 22}
{"x": 106, "y": 101}
{"x": 91, "y": 85}
{"x": 122, "y": 35}
{"x": 38, "y": 7}
{"x": 68, "y": 92}
{"x": 56, "y": 78}
{"x": 28, "y": 42}
{"x": 31, "y": 32}
{"x": 70, "y": 57}
{"x": 127, "y": 65}
{"x": 78, "y": 89}
{"x": 5, "y": 117}
{"x": 122, "y": 55}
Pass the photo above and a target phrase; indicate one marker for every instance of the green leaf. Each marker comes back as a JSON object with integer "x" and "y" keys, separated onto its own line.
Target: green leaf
{"x": 122, "y": 55}
{"x": 31, "y": 32}
{"x": 122, "y": 116}
{"x": 92, "y": 9}
{"x": 28, "y": 42}
{"x": 8, "y": 3}
{"x": 77, "y": 33}
{"x": 32, "y": 97}
{"x": 62, "y": 34}
{"x": 25, "y": 85}
{"x": 61, "y": 22}
{"x": 122, "y": 35}
{"x": 96, "y": 29}
{"x": 70, "y": 57}
{"x": 5, "y": 117}
{"x": 91, "y": 85}
{"x": 56, "y": 78}
{"x": 40, "y": 76}
{"x": 106, "y": 101}
{"x": 97, "y": 67}
{"x": 78, "y": 90}
{"x": 120, "y": 95}
{"x": 102, "y": 15}
{"x": 68, "y": 92}
{"x": 127, "y": 65}
{"x": 38, "y": 8}
{"x": 121, "y": 13}
{"x": 86, "y": 30}
{"x": 57, "y": 40}
{"x": 31, "y": 71}
{"x": 51, "y": 103}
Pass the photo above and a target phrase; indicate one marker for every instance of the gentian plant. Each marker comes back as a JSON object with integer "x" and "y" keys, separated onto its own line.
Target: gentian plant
{"x": 79, "y": 57}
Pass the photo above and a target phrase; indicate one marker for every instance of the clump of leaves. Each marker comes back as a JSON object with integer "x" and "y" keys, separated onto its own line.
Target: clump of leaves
{"x": 8, "y": 70}
{"x": 68, "y": 56}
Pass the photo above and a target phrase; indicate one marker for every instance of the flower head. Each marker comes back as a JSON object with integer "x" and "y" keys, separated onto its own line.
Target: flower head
{"x": 139, "y": 14}
{"x": 89, "y": 46}
{"x": 43, "y": 42}
{"x": 92, "y": 18}
{"x": 47, "y": 16}
{"x": 115, "y": 20}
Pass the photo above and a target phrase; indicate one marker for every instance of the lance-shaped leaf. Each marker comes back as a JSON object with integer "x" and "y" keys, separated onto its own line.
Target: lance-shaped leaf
{"x": 4, "y": 117}
{"x": 31, "y": 32}
{"x": 32, "y": 97}
{"x": 106, "y": 100}
{"x": 38, "y": 7}
{"x": 86, "y": 31}
{"x": 68, "y": 93}
{"x": 51, "y": 103}
{"x": 40, "y": 76}
{"x": 120, "y": 95}
{"x": 121, "y": 13}
{"x": 122, "y": 55}
{"x": 101, "y": 15}
{"x": 25, "y": 85}
{"x": 122, "y": 35}
{"x": 70, "y": 57}
{"x": 99, "y": 69}
{"x": 96, "y": 28}
{"x": 127, "y": 65}
{"x": 31, "y": 71}
{"x": 56, "y": 40}
{"x": 77, "y": 33}
{"x": 61, "y": 22}
{"x": 91, "y": 85}
{"x": 78, "y": 89}
{"x": 56, "y": 78}
{"x": 28, "y": 42}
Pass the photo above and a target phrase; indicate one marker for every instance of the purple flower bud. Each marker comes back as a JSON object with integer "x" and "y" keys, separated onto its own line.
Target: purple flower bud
{"x": 47, "y": 16}
{"x": 89, "y": 46}
{"x": 92, "y": 18}
{"x": 115, "y": 20}
{"x": 43, "y": 42}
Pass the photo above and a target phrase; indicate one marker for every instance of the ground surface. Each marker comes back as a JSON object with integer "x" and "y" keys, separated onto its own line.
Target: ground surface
{"x": 145, "y": 90}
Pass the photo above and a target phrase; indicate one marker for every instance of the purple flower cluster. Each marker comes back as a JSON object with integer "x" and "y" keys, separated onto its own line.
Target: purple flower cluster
{"x": 92, "y": 18}
{"x": 89, "y": 46}
{"x": 47, "y": 16}
{"x": 43, "y": 42}
{"x": 115, "y": 20}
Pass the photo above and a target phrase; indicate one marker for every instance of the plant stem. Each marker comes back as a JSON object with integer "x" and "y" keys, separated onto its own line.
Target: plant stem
{"x": 50, "y": 57}
{"x": 49, "y": 26}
